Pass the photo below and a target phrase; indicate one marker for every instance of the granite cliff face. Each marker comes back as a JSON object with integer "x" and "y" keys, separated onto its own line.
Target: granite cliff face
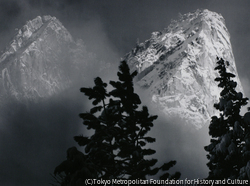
{"x": 39, "y": 60}
{"x": 176, "y": 65}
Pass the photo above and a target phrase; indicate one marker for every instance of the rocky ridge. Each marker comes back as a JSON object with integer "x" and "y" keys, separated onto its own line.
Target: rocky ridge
{"x": 40, "y": 60}
{"x": 176, "y": 65}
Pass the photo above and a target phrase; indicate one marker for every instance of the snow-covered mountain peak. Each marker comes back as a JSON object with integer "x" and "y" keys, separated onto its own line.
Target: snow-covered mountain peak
{"x": 176, "y": 65}
{"x": 37, "y": 62}
{"x": 32, "y": 31}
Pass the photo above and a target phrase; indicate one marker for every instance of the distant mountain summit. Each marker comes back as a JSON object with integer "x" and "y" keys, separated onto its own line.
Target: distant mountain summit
{"x": 40, "y": 60}
{"x": 176, "y": 65}
{"x": 32, "y": 66}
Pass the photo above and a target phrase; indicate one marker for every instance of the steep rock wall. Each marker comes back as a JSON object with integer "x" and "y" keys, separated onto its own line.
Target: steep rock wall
{"x": 176, "y": 65}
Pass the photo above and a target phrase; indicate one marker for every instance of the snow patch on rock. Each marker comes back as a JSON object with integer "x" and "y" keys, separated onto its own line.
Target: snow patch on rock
{"x": 176, "y": 65}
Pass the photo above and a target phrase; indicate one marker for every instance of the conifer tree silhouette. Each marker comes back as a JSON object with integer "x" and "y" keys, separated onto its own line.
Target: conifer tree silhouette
{"x": 229, "y": 150}
{"x": 117, "y": 149}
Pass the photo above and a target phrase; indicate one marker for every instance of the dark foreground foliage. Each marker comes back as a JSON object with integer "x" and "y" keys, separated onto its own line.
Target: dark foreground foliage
{"x": 229, "y": 150}
{"x": 117, "y": 149}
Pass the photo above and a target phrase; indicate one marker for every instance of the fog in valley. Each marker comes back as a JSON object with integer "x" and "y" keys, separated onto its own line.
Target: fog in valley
{"x": 34, "y": 137}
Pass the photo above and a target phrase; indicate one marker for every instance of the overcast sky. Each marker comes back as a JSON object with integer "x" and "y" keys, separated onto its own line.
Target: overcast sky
{"x": 119, "y": 24}
{"x": 125, "y": 21}
{"x": 109, "y": 28}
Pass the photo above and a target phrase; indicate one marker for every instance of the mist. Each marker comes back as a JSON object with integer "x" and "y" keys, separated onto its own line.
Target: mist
{"x": 34, "y": 138}
{"x": 177, "y": 140}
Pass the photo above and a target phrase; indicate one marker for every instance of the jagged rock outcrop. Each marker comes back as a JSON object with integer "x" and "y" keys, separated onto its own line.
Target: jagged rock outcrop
{"x": 176, "y": 65}
{"x": 40, "y": 60}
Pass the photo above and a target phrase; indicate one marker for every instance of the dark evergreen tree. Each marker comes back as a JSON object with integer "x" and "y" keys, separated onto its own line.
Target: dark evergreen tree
{"x": 229, "y": 150}
{"x": 117, "y": 147}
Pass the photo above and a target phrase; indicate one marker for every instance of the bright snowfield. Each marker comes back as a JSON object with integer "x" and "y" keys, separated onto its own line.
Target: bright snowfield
{"x": 176, "y": 66}
{"x": 176, "y": 73}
